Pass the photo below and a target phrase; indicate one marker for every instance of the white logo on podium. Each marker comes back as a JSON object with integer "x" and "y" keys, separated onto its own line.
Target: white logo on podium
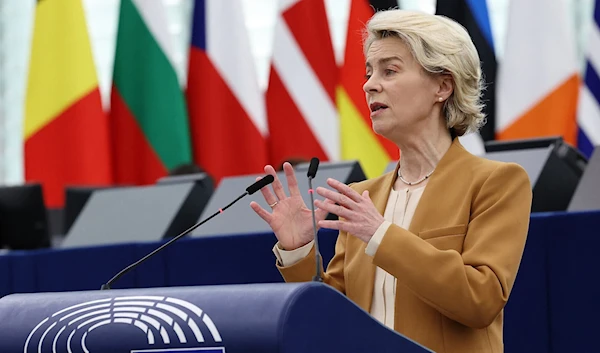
{"x": 162, "y": 319}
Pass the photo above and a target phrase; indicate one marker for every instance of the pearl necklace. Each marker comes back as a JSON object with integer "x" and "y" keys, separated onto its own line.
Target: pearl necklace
{"x": 414, "y": 182}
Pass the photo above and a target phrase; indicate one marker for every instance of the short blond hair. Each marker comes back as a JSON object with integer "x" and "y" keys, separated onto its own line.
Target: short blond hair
{"x": 440, "y": 45}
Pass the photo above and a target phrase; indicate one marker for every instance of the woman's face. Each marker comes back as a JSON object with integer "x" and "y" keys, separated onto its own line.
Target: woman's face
{"x": 400, "y": 94}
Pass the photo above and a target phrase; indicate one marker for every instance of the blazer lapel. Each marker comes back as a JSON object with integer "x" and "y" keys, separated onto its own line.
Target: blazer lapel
{"x": 435, "y": 187}
{"x": 379, "y": 193}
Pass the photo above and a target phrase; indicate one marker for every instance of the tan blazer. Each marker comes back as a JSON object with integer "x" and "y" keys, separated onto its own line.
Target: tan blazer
{"x": 455, "y": 266}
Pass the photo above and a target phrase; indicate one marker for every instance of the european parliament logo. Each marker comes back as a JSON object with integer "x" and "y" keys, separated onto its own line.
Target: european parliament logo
{"x": 140, "y": 323}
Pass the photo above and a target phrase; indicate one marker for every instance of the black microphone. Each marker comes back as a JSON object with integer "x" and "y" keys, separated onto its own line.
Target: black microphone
{"x": 312, "y": 168}
{"x": 312, "y": 172}
{"x": 266, "y": 180}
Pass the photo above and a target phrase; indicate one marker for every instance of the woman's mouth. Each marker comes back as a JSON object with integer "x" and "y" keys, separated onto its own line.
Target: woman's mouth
{"x": 377, "y": 108}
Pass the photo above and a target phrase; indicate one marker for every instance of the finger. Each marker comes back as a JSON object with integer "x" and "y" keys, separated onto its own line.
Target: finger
{"x": 291, "y": 179}
{"x": 261, "y": 212}
{"x": 344, "y": 189}
{"x": 337, "y": 197}
{"x": 267, "y": 194}
{"x": 367, "y": 197}
{"x": 320, "y": 213}
{"x": 277, "y": 186}
{"x": 339, "y": 210}
{"x": 338, "y": 225}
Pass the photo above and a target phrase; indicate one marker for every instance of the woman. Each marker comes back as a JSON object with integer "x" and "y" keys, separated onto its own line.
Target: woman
{"x": 431, "y": 250}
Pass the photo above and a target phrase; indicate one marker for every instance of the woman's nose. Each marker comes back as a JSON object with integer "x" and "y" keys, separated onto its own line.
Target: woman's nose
{"x": 371, "y": 85}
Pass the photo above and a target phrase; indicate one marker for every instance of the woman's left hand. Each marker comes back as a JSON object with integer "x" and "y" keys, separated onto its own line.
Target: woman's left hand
{"x": 360, "y": 217}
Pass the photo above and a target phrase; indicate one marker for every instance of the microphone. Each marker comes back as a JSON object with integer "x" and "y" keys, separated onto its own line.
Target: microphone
{"x": 266, "y": 180}
{"x": 312, "y": 172}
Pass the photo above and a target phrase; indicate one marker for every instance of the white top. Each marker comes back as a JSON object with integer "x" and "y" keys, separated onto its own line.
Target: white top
{"x": 400, "y": 208}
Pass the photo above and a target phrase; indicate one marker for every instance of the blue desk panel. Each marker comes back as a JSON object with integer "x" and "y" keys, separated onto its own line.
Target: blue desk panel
{"x": 553, "y": 306}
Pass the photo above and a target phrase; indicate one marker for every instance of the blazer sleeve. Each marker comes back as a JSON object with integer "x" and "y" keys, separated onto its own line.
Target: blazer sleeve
{"x": 305, "y": 269}
{"x": 473, "y": 287}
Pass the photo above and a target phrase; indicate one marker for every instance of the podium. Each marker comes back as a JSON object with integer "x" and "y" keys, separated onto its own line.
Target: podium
{"x": 250, "y": 318}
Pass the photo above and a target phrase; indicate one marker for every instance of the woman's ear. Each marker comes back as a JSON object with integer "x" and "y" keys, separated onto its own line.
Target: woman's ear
{"x": 445, "y": 86}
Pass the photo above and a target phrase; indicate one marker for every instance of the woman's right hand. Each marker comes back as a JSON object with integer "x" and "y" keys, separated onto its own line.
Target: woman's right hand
{"x": 290, "y": 219}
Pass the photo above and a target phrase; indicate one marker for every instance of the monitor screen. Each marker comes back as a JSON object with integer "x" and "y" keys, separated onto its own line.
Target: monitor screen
{"x": 23, "y": 219}
{"x": 75, "y": 199}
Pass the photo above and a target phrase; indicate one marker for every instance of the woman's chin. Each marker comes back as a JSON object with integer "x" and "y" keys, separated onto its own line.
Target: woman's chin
{"x": 387, "y": 131}
{"x": 381, "y": 128}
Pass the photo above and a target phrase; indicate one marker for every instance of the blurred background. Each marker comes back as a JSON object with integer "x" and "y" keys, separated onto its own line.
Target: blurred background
{"x": 102, "y": 16}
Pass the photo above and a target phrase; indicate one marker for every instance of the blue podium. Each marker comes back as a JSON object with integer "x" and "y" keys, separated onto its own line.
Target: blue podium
{"x": 265, "y": 318}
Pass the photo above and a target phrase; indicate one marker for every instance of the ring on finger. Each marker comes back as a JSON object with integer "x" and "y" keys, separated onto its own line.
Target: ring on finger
{"x": 274, "y": 204}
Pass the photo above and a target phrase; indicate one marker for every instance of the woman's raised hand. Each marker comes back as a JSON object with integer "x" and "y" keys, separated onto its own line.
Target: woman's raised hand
{"x": 290, "y": 219}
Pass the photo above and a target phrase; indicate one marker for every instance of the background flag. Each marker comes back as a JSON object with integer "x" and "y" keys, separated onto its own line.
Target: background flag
{"x": 148, "y": 115}
{"x": 538, "y": 80}
{"x": 358, "y": 140}
{"x": 227, "y": 111}
{"x": 473, "y": 15}
{"x": 301, "y": 111}
{"x": 65, "y": 129}
{"x": 589, "y": 99}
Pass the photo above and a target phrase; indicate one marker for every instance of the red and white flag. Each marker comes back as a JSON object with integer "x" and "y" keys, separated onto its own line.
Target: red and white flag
{"x": 226, "y": 107}
{"x": 301, "y": 109}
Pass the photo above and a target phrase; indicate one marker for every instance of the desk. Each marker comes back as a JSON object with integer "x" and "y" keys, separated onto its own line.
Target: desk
{"x": 553, "y": 307}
